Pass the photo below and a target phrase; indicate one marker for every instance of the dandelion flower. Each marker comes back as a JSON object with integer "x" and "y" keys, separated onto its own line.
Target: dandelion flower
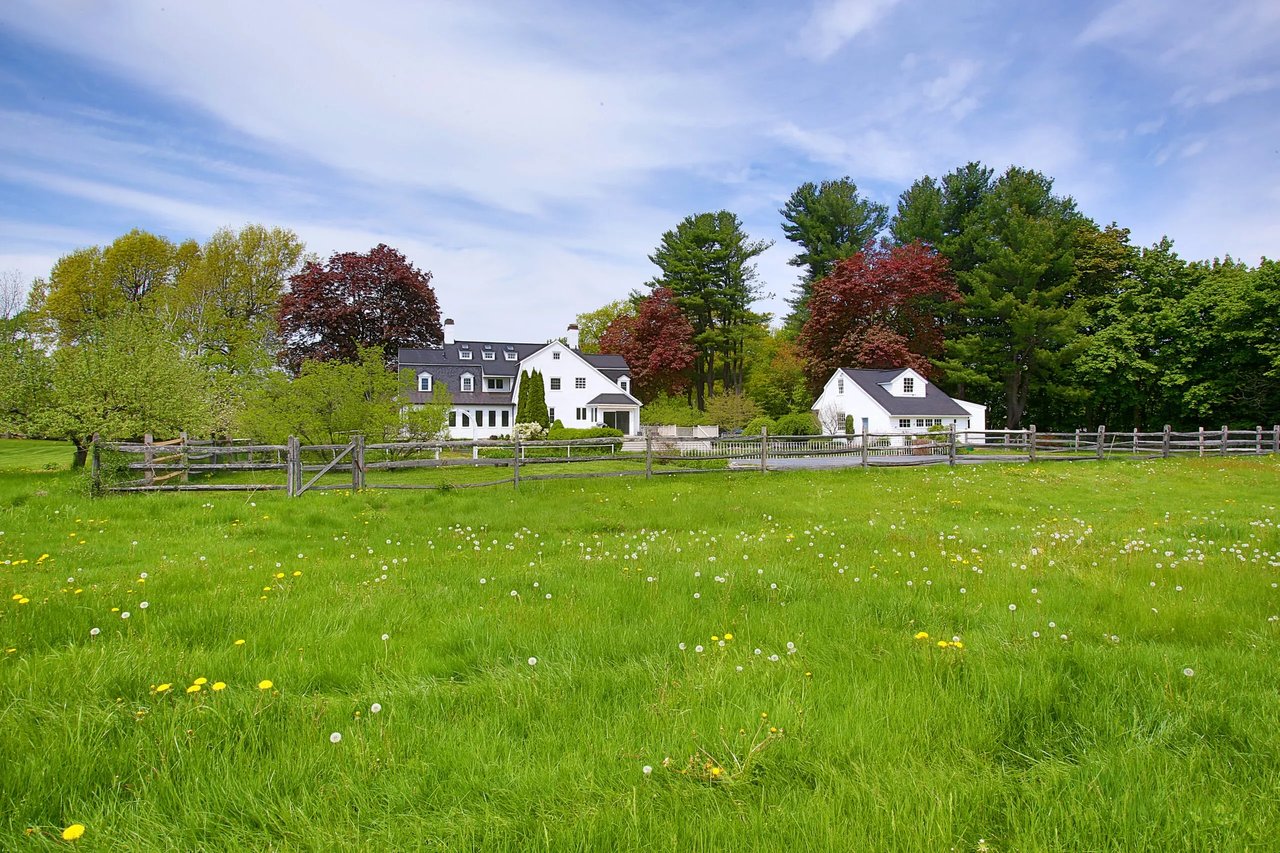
{"x": 93, "y": 632}
{"x": 533, "y": 661}
{"x": 335, "y": 737}
{"x": 698, "y": 649}
{"x": 646, "y": 770}
{"x": 163, "y": 687}
{"x": 219, "y": 685}
{"x": 201, "y": 680}
{"x": 265, "y": 684}
{"x": 1189, "y": 672}
{"x": 922, "y": 635}
{"x": 715, "y": 772}
{"x": 728, "y": 636}
{"x": 942, "y": 644}
{"x": 1012, "y": 607}
{"x": 195, "y": 688}
{"x": 71, "y": 833}
{"x": 375, "y": 708}
{"x": 239, "y": 642}
{"x": 297, "y": 574}
{"x": 386, "y": 637}
{"x": 143, "y": 605}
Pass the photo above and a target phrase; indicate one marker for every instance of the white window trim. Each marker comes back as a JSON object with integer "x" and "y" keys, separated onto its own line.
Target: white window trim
{"x": 464, "y": 355}
{"x": 510, "y": 356}
{"x": 426, "y": 376}
{"x": 467, "y": 383}
{"x": 488, "y": 355}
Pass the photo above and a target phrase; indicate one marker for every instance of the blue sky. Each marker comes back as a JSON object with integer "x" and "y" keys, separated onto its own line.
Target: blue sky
{"x": 532, "y": 157}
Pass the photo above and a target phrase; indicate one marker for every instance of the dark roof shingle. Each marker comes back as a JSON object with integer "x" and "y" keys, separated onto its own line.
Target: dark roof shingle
{"x": 934, "y": 402}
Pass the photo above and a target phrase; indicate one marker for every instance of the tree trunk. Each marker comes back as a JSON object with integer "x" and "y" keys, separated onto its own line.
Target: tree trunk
{"x": 1015, "y": 399}
{"x": 82, "y": 453}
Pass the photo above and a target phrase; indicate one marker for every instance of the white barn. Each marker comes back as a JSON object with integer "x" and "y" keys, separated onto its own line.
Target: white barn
{"x": 483, "y": 380}
{"x": 892, "y": 401}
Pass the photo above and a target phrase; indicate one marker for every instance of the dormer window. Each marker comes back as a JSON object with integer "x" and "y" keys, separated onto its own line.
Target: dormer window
{"x": 424, "y": 383}
{"x": 510, "y": 355}
{"x": 464, "y": 354}
{"x": 908, "y": 385}
{"x": 468, "y": 382}
{"x": 625, "y": 384}
{"x": 488, "y": 355}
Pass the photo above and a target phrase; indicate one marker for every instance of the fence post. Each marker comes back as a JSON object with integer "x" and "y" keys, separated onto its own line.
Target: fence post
{"x": 1135, "y": 441}
{"x": 764, "y": 449}
{"x": 1076, "y": 449}
{"x": 515, "y": 461}
{"x": 865, "y": 458}
{"x": 186, "y": 458}
{"x": 1202, "y": 441}
{"x": 475, "y": 451}
{"x": 1164, "y": 445}
{"x": 1259, "y": 445}
{"x": 148, "y": 459}
{"x": 1226, "y": 435}
{"x": 1031, "y": 444}
{"x": 951, "y": 445}
{"x": 648, "y": 454}
{"x": 95, "y": 466}
{"x": 293, "y": 459}
{"x": 357, "y": 463}
{"x": 1102, "y": 441}
{"x": 1275, "y": 439}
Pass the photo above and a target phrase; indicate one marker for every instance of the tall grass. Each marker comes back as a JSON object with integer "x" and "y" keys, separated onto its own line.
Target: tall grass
{"x": 1089, "y": 736}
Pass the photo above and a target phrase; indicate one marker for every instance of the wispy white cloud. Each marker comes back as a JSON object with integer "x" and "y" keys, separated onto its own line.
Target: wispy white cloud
{"x": 834, "y": 23}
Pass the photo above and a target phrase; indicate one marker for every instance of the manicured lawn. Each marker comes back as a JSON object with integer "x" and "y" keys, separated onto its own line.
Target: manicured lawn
{"x": 20, "y": 454}
{"x": 1109, "y": 680}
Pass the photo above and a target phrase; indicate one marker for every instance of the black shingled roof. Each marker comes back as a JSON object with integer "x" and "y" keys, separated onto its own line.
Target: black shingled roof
{"x": 933, "y": 403}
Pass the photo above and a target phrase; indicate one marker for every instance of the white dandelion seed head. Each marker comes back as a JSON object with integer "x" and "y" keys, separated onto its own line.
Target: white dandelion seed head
{"x": 375, "y": 708}
{"x": 1012, "y": 607}
{"x": 697, "y": 595}
{"x": 682, "y": 647}
{"x": 124, "y": 615}
{"x": 484, "y": 580}
{"x": 386, "y": 637}
{"x": 514, "y": 593}
{"x": 143, "y": 605}
{"x": 1189, "y": 672}
{"x": 93, "y": 632}
{"x": 646, "y": 770}
{"x": 335, "y": 737}
{"x": 142, "y": 575}
{"x": 533, "y": 661}
{"x": 698, "y": 648}
{"x": 547, "y": 596}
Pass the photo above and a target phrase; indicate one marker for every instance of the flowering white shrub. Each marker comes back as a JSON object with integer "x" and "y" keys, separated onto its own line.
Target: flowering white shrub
{"x": 530, "y": 431}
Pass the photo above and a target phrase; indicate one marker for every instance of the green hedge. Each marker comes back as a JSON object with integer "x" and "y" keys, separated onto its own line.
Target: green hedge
{"x": 798, "y": 424}
{"x": 569, "y": 433}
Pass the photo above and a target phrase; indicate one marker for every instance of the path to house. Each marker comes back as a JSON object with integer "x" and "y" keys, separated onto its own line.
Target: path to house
{"x": 853, "y": 461}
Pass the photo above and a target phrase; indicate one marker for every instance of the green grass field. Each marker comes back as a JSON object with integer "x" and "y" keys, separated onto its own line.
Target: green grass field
{"x": 1109, "y": 679}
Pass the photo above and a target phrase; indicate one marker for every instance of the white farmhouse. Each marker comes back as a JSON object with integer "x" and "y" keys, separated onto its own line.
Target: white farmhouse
{"x": 483, "y": 380}
{"x": 892, "y": 401}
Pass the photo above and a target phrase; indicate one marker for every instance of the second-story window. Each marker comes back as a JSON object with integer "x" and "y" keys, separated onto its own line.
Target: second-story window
{"x": 908, "y": 385}
{"x": 424, "y": 382}
{"x": 580, "y": 382}
{"x": 555, "y": 383}
{"x": 468, "y": 382}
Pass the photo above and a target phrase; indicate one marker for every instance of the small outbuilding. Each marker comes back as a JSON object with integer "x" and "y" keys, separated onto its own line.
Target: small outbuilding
{"x": 892, "y": 401}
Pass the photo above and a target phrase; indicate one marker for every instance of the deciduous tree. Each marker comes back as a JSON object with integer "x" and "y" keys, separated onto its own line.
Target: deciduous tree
{"x": 880, "y": 308}
{"x": 657, "y": 342}
{"x": 376, "y": 299}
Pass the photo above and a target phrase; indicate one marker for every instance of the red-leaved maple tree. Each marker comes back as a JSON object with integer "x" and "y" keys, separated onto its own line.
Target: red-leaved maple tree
{"x": 657, "y": 344}
{"x": 358, "y": 300}
{"x": 880, "y": 308}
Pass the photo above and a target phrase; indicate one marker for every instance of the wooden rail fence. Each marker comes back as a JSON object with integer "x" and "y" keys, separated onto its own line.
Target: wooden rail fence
{"x": 183, "y": 465}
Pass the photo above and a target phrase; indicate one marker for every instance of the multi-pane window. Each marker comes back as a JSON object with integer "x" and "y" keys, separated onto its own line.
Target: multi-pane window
{"x": 555, "y": 356}
{"x": 551, "y": 415}
{"x": 625, "y": 383}
{"x": 424, "y": 382}
{"x": 488, "y": 355}
{"x": 468, "y": 382}
{"x": 839, "y": 386}
{"x": 582, "y": 413}
{"x": 464, "y": 355}
{"x": 494, "y": 383}
{"x": 908, "y": 385}
{"x": 453, "y": 418}
{"x": 555, "y": 383}
{"x": 904, "y": 423}
{"x": 509, "y": 355}
{"x": 580, "y": 382}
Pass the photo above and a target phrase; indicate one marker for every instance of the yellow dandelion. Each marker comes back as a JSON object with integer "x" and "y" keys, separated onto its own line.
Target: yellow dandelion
{"x": 763, "y": 715}
{"x": 265, "y": 684}
{"x": 297, "y": 574}
{"x": 266, "y": 589}
{"x": 714, "y": 638}
{"x": 923, "y": 635}
{"x": 279, "y": 575}
{"x": 195, "y": 688}
{"x": 958, "y": 645}
{"x": 239, "y": 642}
{"x": 24, "y": 601}
{"x": 16, "y": 596}
{"x": 942, "y": 644}
{"x": 163, "y": 687}
{"x": 201, "y": 680}
{"x": 715, "y": 772}
{"x": 71, "y": 833}
{"x": 219, "y": 685}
